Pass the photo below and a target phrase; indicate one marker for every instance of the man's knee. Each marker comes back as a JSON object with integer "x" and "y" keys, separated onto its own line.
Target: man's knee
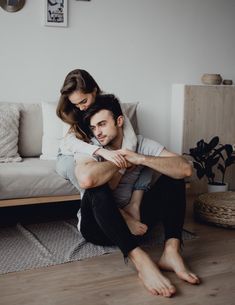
{"x": 179, "y": 183}
{"x": 100, "y": 196}
{"x": 100, "y": 201}
{"x": 99, "y": 190}
{"x": 172, "y": 182}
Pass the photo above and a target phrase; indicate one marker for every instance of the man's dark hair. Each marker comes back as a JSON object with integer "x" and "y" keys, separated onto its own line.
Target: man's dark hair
{"x": 104, "y": 102}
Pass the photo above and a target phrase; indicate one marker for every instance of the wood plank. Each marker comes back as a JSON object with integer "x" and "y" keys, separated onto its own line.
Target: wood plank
{"x": 106, "y": 280}
{"x": 37, "y": 200}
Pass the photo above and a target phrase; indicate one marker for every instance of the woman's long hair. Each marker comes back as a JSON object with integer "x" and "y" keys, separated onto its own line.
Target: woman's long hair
{"x": 76, "y": 80}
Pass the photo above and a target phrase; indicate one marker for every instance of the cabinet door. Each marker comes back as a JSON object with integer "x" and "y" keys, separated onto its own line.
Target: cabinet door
{"x": 209, "y": 111}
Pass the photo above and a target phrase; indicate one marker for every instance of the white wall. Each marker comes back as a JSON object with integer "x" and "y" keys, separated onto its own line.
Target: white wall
{"x": 135, "y": 49}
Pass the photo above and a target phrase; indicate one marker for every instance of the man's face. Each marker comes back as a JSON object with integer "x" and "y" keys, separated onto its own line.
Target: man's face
{"x": 104, "y": 127}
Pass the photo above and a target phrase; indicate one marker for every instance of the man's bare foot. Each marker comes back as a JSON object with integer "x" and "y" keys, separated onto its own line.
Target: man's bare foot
{"x": 136, "y": 227}
{"x": 171, "y": 260}
{"x": 149, "y": 273}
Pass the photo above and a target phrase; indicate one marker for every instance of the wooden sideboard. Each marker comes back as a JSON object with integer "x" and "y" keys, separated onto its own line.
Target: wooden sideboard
{"x": 201, "y": 112}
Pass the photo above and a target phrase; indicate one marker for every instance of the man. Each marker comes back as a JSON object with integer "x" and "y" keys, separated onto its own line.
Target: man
{"x": 101, "y": 221}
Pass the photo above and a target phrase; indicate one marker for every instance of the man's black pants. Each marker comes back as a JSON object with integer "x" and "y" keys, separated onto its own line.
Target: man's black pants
{"x": 103, "y": 224}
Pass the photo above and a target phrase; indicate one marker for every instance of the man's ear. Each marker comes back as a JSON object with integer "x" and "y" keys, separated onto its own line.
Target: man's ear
{"x": 120, "y": 121}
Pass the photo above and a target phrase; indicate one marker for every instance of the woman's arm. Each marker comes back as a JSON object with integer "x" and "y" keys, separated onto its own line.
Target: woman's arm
{"x": 71, "y": 145}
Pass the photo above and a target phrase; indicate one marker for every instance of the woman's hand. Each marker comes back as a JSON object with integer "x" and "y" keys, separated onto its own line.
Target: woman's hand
{"x": 114, "y": 156}
{"x": 130, "y": 156}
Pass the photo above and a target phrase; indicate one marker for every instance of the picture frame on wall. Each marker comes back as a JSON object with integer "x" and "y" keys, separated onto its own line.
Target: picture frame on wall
{"x": 55, "y": 13}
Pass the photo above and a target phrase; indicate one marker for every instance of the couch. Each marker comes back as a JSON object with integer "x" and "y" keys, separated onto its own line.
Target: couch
{"x": 29, "y": 141}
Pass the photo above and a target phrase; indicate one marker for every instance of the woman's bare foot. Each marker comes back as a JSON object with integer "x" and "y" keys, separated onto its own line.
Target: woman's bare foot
{"x": 133, "y": 210}
{"x": 150, "y": 274}
{"x": 133, "y": 207}
{"x": 171, "y": 260}
{"x": 136, "y": 227}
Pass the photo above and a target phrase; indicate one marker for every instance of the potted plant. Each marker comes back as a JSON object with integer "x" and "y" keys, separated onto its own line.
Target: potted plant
{"x": 209, "y": 156}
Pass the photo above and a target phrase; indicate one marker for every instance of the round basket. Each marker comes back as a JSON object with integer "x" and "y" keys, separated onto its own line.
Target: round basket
{"x": 216, "y": 208}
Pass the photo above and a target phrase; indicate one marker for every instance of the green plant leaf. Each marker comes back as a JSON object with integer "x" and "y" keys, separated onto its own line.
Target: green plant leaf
{"x": 213, "y": 142}
{"x": 217, "y": 151}
{"x": 210, "y": 162}
{"x": 221, "y": 168}
{"x": 199, "y": 170}
{"x": 229, "y": 149}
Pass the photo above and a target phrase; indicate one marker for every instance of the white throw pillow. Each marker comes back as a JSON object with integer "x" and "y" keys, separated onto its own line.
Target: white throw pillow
{"x": 53, "y": 131}
{"x": 9, "y": 132}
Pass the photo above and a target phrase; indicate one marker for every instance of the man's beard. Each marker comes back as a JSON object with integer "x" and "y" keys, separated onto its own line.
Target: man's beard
{"x": 108, "y": 142}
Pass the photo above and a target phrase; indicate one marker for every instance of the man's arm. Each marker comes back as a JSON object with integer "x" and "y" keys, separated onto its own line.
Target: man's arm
{"x": 91, "y": 173}
{"x": 166, "y": 163}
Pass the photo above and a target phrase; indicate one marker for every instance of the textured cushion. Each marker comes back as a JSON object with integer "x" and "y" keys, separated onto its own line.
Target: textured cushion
{"x": 32, "y": 178}
{"x": 53, "y": 131}
{"x": 9, "y": 130}
{"x": 30, "y": 128}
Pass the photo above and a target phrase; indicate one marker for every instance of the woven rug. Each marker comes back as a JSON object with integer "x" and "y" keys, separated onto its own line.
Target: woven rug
{"x": 32, "y": 246}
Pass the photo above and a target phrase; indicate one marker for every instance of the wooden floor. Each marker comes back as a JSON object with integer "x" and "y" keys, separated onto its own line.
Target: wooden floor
{"x": 106, "y": 280}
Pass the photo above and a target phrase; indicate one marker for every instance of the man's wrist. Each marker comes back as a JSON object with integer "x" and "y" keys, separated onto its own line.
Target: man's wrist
{"x": 141, "y": 160}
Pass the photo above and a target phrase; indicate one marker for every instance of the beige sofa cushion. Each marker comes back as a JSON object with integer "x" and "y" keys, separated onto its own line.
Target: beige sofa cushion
{"x": 30, "y": 133}
{"x": 32, "y": 178}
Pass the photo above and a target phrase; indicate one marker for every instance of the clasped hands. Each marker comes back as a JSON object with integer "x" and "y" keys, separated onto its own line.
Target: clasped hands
{"x": 122, "y": 158}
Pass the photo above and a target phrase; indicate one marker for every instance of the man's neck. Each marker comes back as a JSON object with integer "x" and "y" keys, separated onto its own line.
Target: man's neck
{"x": 116, "y": 143}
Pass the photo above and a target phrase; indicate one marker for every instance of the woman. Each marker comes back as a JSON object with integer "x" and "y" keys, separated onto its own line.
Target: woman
{"x": 78, "y": 93}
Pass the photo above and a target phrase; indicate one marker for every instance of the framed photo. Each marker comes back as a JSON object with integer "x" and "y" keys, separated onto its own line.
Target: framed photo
{"x": 55, "y": 12}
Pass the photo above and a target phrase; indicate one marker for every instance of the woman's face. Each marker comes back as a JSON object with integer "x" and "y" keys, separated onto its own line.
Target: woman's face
{"x": 82, "y": 100}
